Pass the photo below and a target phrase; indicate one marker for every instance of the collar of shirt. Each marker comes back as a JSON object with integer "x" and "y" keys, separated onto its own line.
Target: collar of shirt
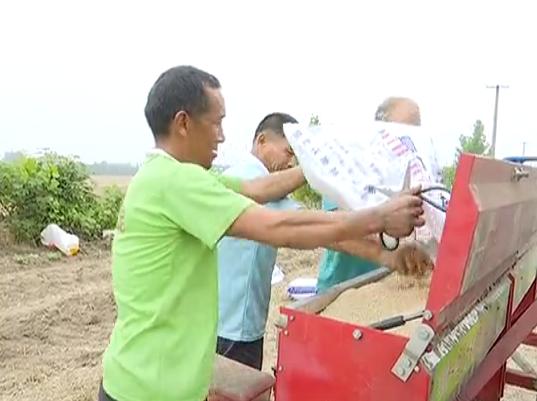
{"x": 159, "y": 151}
{"x": 250, "y": 158}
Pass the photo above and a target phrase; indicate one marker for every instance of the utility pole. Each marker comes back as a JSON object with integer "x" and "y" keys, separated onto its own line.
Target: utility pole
{"x": 494, "y": 127}
{"x": 524, "y": 148}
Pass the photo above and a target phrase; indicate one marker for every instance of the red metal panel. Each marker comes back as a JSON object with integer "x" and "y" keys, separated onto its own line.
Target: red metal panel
{"x": 319, "y": 359}
{"x": 531, "y": 340}
{"x": 456, "y": 242}
{"x": 521, "y": 379}
{"x": 490, "y": 221}
{"x": 493, "y": 390}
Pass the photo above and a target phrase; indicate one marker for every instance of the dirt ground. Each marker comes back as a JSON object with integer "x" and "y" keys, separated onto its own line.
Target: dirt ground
{"x": 56, "y": 315}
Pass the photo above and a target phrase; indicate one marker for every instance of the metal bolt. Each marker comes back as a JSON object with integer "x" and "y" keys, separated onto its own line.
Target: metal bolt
{"x": 427, "y": 315}
{"x": 281, "y": 321}
{"x": 291, "y": 318}
{"x": 357, "y": 334}
{"x": 520, "y": 173}
{"x": 280, "y": 368}
{"x": 417, "y": 369}
{"x": 286, "y": 332}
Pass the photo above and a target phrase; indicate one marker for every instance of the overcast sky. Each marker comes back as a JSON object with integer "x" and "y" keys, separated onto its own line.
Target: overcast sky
{"x": 80, "y": 71}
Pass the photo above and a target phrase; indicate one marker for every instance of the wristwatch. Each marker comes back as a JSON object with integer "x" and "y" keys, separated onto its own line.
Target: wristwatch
{"x": 389, "y": 243}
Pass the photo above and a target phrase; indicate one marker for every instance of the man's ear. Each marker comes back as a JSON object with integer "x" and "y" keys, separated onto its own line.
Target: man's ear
{"x": 181, "y": 123}
{"x": 261, "y": 138}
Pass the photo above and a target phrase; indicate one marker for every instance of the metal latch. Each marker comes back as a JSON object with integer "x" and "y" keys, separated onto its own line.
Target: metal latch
{"x": 414, "y": 349}
{"x": 519, "y": 173}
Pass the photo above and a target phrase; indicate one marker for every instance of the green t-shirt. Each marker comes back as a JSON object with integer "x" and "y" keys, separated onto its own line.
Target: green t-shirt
{"x": 164, "y": 270}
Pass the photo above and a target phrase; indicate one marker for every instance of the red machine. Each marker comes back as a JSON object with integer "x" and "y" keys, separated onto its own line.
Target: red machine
{"x": 481, "y": 306}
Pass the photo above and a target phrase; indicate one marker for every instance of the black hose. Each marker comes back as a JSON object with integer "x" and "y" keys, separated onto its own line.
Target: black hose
{"x": 434, "y": 204}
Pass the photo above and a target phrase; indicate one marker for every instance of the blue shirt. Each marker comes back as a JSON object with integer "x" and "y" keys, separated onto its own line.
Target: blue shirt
{"x": 336, "y": 267}
{"x": 245, "y": 272}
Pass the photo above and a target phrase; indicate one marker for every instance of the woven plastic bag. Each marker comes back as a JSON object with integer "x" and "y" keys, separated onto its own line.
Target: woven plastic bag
{"x": 346, "y": 164}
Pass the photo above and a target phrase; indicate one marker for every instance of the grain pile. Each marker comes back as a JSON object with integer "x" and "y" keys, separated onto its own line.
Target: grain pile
{"x": 394, "y": 295}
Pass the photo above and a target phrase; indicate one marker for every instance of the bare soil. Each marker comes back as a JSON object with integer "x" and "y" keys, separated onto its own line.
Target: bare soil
{"x": 55, "y": 318}
{"x": 56, "y": 315}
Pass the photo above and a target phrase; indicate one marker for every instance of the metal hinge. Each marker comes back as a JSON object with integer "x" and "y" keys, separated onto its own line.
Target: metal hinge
{"x": 414, "y": 350}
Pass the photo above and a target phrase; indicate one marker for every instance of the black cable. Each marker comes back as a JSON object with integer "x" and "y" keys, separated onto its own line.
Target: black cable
{"x": 434, "y": 204}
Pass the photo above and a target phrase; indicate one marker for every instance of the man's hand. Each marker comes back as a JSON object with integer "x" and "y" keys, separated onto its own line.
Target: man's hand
{"x": 401, "y": 214}
{"x": 410, "y": 259}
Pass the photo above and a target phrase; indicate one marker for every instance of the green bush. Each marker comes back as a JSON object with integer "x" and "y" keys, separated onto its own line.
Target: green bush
{"x": 109, "y": 205}
{"x": 307, "y": 196}
{"x": 35, "y": 192}
{"x": 448, "y": 176}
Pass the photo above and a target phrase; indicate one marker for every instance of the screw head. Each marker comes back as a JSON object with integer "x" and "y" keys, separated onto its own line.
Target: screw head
{"x": 357, "y": 334}
{"x": 280, "y": 368}
{"x": 427, "y": 315}
{"x": 286, "y": 332}
{"x": 291, "y": 318}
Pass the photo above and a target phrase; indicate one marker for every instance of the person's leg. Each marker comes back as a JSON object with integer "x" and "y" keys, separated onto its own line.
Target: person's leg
{"x": 247, "y": 353}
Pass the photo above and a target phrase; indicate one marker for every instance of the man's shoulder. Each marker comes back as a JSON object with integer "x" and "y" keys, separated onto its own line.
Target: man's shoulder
{"x": 247, "y": 168}
{"x": 165, "y": 168}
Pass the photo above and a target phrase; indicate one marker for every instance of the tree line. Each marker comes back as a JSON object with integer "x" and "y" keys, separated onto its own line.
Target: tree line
{"x": 97, "y": 168}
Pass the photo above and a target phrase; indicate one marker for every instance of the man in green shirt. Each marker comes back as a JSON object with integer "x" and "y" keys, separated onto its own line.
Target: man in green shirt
{"x": 164, "y": 264}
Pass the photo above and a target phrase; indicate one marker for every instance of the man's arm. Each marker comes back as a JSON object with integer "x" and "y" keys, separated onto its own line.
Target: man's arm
{"x": 409, "y": 258}
{"x": 311, "y": 229}
{"x": 304, "y": 229}
{"x": 367, "y": 248}
{"x": 274, "y": 186}
{"x": 197, "y": 203}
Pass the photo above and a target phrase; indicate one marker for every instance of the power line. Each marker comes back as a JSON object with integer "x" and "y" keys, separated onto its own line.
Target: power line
{"x": 494, "y": 127}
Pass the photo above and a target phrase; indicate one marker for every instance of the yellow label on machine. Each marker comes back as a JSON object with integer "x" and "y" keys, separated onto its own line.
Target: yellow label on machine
{"x": 462, "y": 349}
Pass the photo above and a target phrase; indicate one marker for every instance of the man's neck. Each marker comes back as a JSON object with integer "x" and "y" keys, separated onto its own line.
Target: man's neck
{"x": 258, "y": 157}
{"x": 177, "y": 154}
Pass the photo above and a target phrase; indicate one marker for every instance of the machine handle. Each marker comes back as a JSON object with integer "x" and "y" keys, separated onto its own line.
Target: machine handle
{"x": 389, "y": 323}
{"x": 396, "y": 321}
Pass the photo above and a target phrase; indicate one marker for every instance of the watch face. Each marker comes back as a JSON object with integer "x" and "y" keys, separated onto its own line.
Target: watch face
{"x": 390, "y": 243}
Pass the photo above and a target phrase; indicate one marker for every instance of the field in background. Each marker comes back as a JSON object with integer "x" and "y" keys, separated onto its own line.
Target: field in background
{"x": 102, "y": 181}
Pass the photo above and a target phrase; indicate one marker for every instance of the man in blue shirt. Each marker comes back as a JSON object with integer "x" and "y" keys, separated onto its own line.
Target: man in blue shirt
{"x": 245, "y": 267}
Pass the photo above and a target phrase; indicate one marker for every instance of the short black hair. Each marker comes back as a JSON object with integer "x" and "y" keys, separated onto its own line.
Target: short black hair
{"x": 179, "y": 88}
{"x": 274, "y": 122}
